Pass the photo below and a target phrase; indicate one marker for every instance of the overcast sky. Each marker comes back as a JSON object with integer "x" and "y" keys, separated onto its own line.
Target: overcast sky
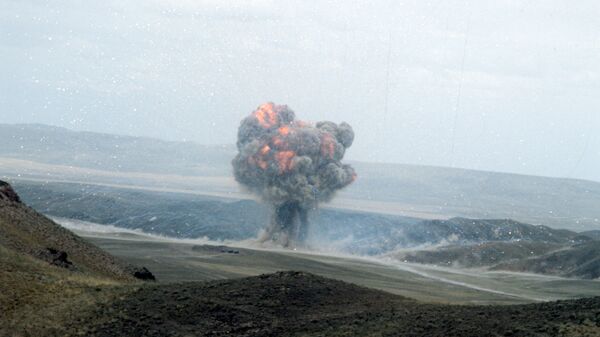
{"x": 495, "y": 85}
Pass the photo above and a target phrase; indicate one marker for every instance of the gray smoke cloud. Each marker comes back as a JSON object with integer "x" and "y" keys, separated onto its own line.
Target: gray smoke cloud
{"x": 292, "y": 165}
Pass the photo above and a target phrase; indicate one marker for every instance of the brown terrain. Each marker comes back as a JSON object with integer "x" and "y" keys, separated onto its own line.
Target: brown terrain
{"x": 54, "y": 283}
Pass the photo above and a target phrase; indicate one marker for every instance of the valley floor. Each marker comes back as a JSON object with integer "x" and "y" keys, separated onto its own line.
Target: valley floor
{"x": 173, "y": 260}
{"x": 203, "y": 291}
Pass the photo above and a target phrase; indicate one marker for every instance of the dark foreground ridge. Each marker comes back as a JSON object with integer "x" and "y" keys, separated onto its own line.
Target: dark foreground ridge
{"x": 302, "y": 304}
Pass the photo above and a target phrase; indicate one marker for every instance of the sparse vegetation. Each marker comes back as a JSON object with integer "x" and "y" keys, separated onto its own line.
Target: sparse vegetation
{"x": 99, "y": 297}
{"x": 300, "y": 304}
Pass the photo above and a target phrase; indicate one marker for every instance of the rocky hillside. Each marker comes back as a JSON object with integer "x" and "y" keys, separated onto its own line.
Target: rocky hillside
{"x": 25, "y": 231}
{"x": 7, "y": 193}
{"x": 48, "y": 273}
{"x": 301, "y": 304}
{"x": 286, "y": 304}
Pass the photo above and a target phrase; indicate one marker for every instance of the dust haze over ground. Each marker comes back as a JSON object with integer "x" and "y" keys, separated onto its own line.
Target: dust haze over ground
{"x": 292, "y": 165}
{"x": 458, "y": 241}
{"x": 167, "y": 254}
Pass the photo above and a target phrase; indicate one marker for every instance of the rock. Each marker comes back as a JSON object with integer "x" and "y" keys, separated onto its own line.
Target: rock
{"x": 7, "y": 193}
{"x": 56, "y": 257}
{"x": 142, "y": 273}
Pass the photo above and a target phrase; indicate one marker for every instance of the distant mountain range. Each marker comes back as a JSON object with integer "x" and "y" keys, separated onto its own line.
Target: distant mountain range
{"x": 55, "y": 145}
{"x": 52, "y": 153}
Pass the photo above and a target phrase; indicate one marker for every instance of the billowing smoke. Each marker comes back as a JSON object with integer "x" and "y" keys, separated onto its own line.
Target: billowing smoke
{"x": 292, "y": 165}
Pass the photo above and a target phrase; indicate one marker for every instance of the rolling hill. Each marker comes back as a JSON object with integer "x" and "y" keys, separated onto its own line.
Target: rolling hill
{"x": 301, "y": 304}
{"x": 582, "y": 260}
{"x": 55, "y": 145}
{"x": 190, "y": 216}
{"x": 24, "y": 231}
{"x": 483, "y": 254}
{"x": 47, "y": 272}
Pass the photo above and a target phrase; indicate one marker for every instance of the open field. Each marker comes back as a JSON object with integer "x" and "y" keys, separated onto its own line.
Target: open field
{"x": 196, "y": 260}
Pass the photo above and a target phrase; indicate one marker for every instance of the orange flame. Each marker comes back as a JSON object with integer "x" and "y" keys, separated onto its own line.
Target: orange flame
{"x": 279, "y": 143}
{"x": 266, "y": 115}
{"x": 264, "y": 150}
{"x": 279, "y": 140}
{"x": 262, "y": 164}
{"x": 284, "y": 159}
{"x": 327, "y": 146}
{"x": 284, "y": 130}
{"x": 259, "y": 158}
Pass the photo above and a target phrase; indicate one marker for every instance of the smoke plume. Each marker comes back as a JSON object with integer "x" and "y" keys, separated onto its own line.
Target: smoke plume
{"x": 292, "y": 165}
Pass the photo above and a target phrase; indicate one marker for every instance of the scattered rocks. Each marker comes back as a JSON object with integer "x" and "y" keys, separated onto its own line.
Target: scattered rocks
{"x": 302, "y": 304}
{"x": 142, "y": 273}
{"x": 28, "y": 232}
{"x": 56, "y": 257}
{"x": 215, "y": 249}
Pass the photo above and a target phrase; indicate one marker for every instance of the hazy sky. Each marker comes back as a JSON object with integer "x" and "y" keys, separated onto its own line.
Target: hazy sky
{"x": 495, "y": 85}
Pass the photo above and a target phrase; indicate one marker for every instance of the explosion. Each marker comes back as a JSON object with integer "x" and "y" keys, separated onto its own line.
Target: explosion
{"x": 292, "y": 165}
